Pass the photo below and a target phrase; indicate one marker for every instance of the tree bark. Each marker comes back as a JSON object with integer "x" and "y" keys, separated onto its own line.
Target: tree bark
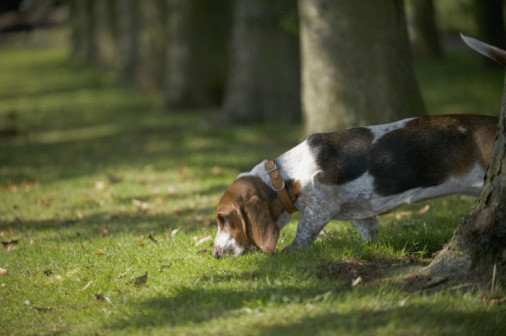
{"x": 106, "y": 33}
{"x": 82, "y": 23}
{"x": 480, "y": 239}
{"x": 128, "y": 47}
{"x": 425, "y": 34}
{"x": 356, "y": 64}
{"x": 151, "y": 43}
{"x": 263, "y": 82}
{"x": 197, "y": 52}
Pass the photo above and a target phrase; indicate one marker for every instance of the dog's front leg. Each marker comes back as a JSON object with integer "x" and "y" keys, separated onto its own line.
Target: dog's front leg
{"x": 307, "y": 232}
{"x": 368, "y": 228}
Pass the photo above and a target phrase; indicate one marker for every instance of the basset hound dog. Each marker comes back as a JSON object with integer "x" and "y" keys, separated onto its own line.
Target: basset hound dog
{"x": 353, "y": 174}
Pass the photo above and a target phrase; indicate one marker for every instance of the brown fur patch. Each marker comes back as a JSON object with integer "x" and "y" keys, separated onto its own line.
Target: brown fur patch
{"x": 241, "y": 219}
{"x": 477, "y": 145}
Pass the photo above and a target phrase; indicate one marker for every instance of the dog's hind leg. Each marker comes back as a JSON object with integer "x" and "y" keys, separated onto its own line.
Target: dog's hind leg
{"x": 368, "y": 228}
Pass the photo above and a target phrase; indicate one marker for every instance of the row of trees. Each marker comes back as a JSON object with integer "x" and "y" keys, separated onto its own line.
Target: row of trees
{"x": 331, "y": 63}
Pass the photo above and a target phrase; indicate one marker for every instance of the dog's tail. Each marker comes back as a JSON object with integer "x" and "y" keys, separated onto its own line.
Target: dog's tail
{"x": 488, "y": 50}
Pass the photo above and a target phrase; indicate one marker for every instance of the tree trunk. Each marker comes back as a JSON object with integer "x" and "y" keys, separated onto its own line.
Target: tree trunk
{"x": 82, "y": 23}
{"x": 356, "y": 64}
{"x": 263, "y": 81}
{"x": 197, "y": 52}
{"x": 106, "y": 33}
{"x": 151, "y": 42}
{"x": 480, "y": 238}
{"x": 128, "y": 49}
{"x": 425, "y": 34}
{"x": 490, "y": 23}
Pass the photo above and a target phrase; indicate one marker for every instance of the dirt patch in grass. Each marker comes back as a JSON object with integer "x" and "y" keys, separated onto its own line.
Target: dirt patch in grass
{"x": 352, "y": 272}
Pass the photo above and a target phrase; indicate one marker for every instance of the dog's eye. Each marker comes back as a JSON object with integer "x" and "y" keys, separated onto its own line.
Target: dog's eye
{"x": 222, "y": 221}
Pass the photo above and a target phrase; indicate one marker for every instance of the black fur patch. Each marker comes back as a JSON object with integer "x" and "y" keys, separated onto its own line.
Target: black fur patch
{"x": 342, "y": 155}
{"x": 422, "y": 154}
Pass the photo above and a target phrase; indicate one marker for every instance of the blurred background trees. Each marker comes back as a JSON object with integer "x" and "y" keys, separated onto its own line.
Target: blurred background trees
{"x": 327, "y": 63}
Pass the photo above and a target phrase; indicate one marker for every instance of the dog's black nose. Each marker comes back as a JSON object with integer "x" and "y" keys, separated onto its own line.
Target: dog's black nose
{"x": 215, "y": 254}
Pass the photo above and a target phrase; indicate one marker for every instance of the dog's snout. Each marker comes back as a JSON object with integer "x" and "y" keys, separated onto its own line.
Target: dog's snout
{"x": 216, "y": 254}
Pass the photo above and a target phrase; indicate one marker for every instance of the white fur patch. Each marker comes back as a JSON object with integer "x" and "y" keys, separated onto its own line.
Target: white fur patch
{"x": 224, "y": 243}
{"x": 379, "y": 130}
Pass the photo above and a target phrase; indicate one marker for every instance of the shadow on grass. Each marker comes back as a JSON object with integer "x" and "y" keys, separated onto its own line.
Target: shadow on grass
{"x": 105, "y": 147}
{"x": 105, "y": 223}
{"x": 190, "y": 307}
{"x": 416, "y": 319}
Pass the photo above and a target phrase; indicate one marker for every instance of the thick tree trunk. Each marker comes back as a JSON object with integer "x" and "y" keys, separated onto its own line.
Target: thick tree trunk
{"x": 128, "y": 49}
{"x": 82, "y": 23}
{"x": 197, "y": 52}
{"x": 425, "y": 34}
{"x": 151, "y": 42}
{"x": 263, "y": 81}
{"x": 356, "y": 64}
{"x": 480, "y": 238}
{"x": 106, "y": 32}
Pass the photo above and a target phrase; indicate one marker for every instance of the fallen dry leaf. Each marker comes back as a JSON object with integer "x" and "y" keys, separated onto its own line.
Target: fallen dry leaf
{"x": 5, "y": 232}
{"x": 216, "y": 170}
{"x": 100, "y": 297}
{"x": 403, "y": 302}
{"x": 203, "y": 252}
{"x": 3, "y": 271}
{"x": 357, "y": 281}
{"x": 86, "y": 286}
{"x": 497, "y": 300}
{"x": 152, "y": 238}
{"x": 204, "y": 278}
{"x": 423, "y": 210}
{"x": 140, "y": 204}
{"x": 102, "y": 230}
{"x": 9, "y": 242}
{"x": 402, "y": 214}
{"x": 84, "y": 248}
{"x": 100, "y": 185}
{"x": 201, "y": 240}
{"x": 101, "y": 251}
{"x": 140, "y": 280}
{"x": 140, "y": 244}
{"x": 162, "y": 267}
{"x": 173, "y": 233}
{"x": 207, "y": 222}
{"x": 42, "y": 308}
{"x": 113, "y": 178}
{"x": 122, "y": 275}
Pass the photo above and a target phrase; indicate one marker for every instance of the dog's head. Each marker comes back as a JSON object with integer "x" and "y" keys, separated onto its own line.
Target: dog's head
{"x": 246, "y": 218}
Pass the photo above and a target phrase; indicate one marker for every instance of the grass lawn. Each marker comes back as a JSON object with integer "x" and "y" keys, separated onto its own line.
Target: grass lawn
{"x": 106, "y": 220}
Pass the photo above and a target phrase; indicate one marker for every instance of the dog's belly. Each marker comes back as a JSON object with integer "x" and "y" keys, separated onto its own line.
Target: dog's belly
{"x": 358, "y": 199}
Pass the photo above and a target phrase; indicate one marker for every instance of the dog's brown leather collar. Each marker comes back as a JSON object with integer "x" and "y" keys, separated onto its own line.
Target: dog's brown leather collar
{"x": 279, "y": 186}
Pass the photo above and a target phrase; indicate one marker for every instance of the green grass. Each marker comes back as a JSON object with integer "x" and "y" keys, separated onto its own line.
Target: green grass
{"x": 89, "y": 169}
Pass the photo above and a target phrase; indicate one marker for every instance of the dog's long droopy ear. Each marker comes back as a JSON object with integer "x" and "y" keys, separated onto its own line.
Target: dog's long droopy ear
{"x": 488, "y": 50}
{"x": 264, "y": 231}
